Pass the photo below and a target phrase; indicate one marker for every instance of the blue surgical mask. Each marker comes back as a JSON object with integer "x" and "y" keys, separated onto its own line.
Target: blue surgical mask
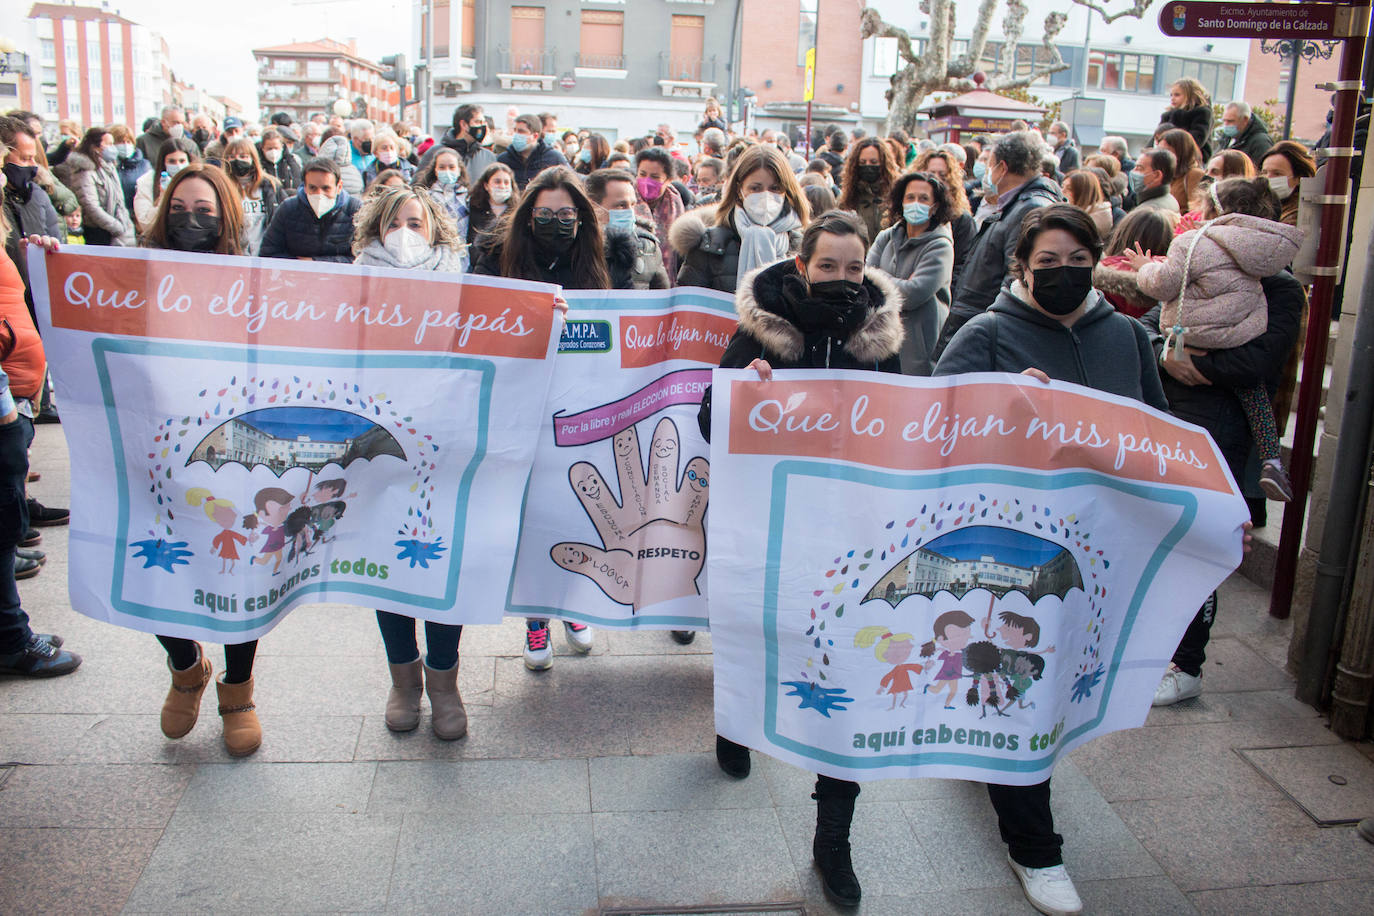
{"x": 1137, "y": 181}
{"x": 916, "y": 213}
{"x": 447, "y": 177}
{"x": 584, "y": 155}
{"x": 980, "y": 168}
{"x": 1229, "y": 130}
{"x": 620, "y": 219}
{"x": 519, "y": 142}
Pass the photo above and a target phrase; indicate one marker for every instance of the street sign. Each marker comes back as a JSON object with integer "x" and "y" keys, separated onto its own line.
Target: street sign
{"x": 1257, "y": 20}
{"x": 809, "y": 92}
{"x": 568, "y": 82}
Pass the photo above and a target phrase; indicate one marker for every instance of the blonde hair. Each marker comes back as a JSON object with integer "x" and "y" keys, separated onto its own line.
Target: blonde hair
{"x": 381, "y": 207}
{"x": 1193, "y": 92}
{"x": 883, "y": 637}
{"x": 200, "y": 496}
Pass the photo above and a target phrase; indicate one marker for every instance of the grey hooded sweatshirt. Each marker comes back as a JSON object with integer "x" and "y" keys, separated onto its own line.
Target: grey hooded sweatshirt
{"x": 922, "y": 267}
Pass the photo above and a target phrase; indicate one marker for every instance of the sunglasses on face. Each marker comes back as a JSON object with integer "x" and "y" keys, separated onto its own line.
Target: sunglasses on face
{"x": 567, "y": 216}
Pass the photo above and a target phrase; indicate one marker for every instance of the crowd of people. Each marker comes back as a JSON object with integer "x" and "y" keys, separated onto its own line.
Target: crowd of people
{"x": 1158, "y": 275}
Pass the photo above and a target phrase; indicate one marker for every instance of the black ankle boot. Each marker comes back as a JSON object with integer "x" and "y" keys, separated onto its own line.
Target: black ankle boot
{"x": 733, "y": 758}
{"x": 834, "y": 812}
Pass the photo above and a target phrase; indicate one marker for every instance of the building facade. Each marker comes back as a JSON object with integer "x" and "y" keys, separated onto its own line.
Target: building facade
{"x": 16, "y": 80}
{"x": 96, "y": 67}
{"x": 1266, "y": 83}
{"x": 310, "y": 76}
{"x": 615, "y": 67}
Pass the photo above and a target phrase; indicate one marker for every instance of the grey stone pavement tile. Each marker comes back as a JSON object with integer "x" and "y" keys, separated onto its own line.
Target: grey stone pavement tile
{"x": 1222, "y": 841}
{"x": 673, "y": 782}
{"x": 280, "y": 787}
{"x": 91, "y": 796}
{"x": 520, "y": 863}
{"x": 72, "y": 870}
{"x": 41, "y": 738}
{"x": 1232, "y": 665}
{"x": 269, "y": 862}
{"x": 888, "y": 858}
{"x": 1133, "y": 897}
{"x": 346, "y": 685}
{"x": 790, "y": 785}
{"x": 511, "y": 786}
{"x": 285, "y": 738}
{"x": 1240, "y": 706}
{"x": 1327, "y": 898}
{"x": 679, "y": 858}
{"x": 654, "y": 642}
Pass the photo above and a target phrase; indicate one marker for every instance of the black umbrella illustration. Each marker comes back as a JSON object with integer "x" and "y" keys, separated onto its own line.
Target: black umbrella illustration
{"x": 998, "y": 560}
{"x": 281, "y": 438}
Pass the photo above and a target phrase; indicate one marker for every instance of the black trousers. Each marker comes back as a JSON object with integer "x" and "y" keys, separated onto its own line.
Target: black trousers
{"x": 1192, "y": 649}
{"x": 1027, "y": 825}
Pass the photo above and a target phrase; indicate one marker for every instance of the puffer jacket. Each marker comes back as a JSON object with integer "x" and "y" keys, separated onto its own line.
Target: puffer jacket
{"x": 769, "y": 329}
{"x": 377, "y": 167}
{"x": 985, "y": 270}
{"x": 295, "y": 231}
{"x": 475, "y": 157}
{"x": 97, "y": 189}
{"x": 921, "y": 267}
{"x": 634, "y": 259}
{"x": 710, "y": 253}
{"x": 287, "y": 169}
{"x": 340, "y": 150}
{"x": 1254, "y": 141}
{"x": 1222, "y": 302}
{"x": 541, "y": 157}
{"x": 130, "y": 169}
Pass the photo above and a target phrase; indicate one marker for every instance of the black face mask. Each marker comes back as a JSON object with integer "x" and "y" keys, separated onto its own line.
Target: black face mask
{"x": 831, "y": 306}
{"x": 1060, "y": 290}
{"x": 870, "y": 173}
{"x": 366, "y": 147}
{"x": 240, "y": 168}
{"x": 477, "y": 132}
{"x": 554, "y": 237}
{"x": 201, "y": 136}
{"x": 20, "y": 177}
{"x": 188, "y": 231}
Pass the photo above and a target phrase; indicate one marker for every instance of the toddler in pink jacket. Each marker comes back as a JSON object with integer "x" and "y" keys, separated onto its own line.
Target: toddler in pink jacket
{"x": 1212, "y": 298}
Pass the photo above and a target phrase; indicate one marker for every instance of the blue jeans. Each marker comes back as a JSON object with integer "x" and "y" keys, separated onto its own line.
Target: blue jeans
{"x": 398, "y": 635}
{"x": 14, "y": 522}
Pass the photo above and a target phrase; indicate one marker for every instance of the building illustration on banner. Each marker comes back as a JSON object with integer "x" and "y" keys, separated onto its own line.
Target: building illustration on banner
{"x": 291, "y": 437}
{"x": 997, "y": 560}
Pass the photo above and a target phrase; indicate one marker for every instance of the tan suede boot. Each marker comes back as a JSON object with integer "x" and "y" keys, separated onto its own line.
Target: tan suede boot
{"x": 447, "y": 714}
{"x": 181, "y": 709}
{"x": 403, "y": 700}
{"x": 242, "y": 732}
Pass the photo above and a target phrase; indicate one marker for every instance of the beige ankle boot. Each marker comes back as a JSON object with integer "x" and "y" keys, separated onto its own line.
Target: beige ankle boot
{"x": 181, "y": 709}
{"x": 242, "y": 732}
{"x": 403, "y": 700}
{"x": 448, "y": 716}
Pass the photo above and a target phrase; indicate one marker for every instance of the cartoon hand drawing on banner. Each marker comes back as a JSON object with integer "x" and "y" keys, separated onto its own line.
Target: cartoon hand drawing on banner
{"x": 653, "y": 538}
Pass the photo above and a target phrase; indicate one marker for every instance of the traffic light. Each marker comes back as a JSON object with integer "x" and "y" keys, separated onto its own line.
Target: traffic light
{"x": 397, "y": 71}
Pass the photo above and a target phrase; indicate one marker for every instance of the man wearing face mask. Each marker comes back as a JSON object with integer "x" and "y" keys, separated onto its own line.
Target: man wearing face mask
{"x": 633, "y": 256}
{"x": 309, "y": 147}
{"x": 1150, "y": 180}
{"x": 360, "y": 134}
{"x": 27, "y": 207}
{"x": 170, "y": 126}
{"x": 316, "y": 224}
{"x": 465, "y": 138}
{"x": 1013, "y": 175}
{"x": 214, "y": 149}
{"x": 528, "y": 154}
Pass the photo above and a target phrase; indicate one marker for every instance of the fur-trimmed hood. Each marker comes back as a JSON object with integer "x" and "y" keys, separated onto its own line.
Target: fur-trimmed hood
{"x": 690, "y": 228}
{"x": 78, "y": 161}
{"x": 759, "y": 304}
{"x": 1114, "y": 281}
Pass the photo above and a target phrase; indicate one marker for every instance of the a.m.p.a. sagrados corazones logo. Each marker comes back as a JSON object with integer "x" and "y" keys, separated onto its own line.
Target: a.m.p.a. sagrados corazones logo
{"x": 310, "y": 433}
{"x": 955, "y": 605}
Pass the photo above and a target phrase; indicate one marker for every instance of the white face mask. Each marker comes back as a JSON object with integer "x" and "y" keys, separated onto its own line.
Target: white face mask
{"x": 320, "y": 203}
{"x": 272, "y": 155}
{"x": 763, "y": 207}
{"x": 406, "y": 245}
{"x": 1281, "y": 188}
{"x": 499, "y": 195}
{"x": 386, "y": 157}
{"x": 175, "y": 131}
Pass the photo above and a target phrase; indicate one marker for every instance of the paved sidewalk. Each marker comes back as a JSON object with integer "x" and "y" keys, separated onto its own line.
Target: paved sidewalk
{"x": 593, "y": 786}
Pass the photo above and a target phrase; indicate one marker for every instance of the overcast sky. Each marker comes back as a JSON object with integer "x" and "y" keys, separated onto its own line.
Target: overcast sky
{"x": 212, "y": 44}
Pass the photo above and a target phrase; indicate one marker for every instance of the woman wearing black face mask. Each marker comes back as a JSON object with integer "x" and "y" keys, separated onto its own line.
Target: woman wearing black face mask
{"x": 1051, "y": 324}
{"x": 200, "y": 210}
{"x": 822, "y": 309}
{"x": 260, "y": 192}
{"x": 866, "y": 183}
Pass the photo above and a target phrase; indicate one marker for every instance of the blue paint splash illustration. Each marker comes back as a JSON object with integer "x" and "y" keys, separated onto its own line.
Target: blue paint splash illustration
{"x": 814, "y": 696}
{"x": 1083, "y": 685}
{"x": 421, "y": 552}
{"x": 162, "y": 554}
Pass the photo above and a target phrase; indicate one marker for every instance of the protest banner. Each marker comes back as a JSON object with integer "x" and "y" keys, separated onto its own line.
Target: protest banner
{"x": 613, "y": 532}
{"x": 959, "y": 577}
{"x": 248, "y": 435}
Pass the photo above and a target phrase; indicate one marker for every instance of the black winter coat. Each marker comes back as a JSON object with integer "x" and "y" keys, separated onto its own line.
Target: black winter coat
{"x": 710, "y": 254}
{"x": 965, "y": 232}
{"x": 129, "y": 171}
{"x": 525, "y": 168}
{"x": 769, "y": 329}
{"x": 985, "y": 269}
{"x": 1196, "y": 121}
{"x": 634, "y": 260}
{"x": 287, "y": 170}
{"x": 295, "y": 231}
{"x": 488, "y": 264}
{"x": 1254, "y": 141}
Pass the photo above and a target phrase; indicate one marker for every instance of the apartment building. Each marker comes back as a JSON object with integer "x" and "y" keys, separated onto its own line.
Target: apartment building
{"x": 310, "y": 76}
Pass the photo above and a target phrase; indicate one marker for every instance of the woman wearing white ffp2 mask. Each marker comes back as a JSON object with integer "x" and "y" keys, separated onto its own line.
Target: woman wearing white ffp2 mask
{"x": 1285, "y": 165}
{"x": 758, "y": 221}
{"x": 401, "y": 228}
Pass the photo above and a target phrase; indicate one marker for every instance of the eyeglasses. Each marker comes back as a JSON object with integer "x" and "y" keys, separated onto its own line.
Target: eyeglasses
{"x": 700, "y": 478}
{"x": 567, "y": 216}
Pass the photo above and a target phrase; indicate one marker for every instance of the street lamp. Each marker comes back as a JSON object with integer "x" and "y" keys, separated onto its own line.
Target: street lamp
{"x": 1294, "y": 50}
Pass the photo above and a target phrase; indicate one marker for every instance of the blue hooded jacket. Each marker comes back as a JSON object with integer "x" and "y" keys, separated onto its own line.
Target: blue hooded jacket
{"x": 295, "y": 231}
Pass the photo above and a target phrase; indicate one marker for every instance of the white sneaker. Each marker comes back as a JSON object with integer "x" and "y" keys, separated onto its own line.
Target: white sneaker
{"x": 1177, "y": 685}
{"x": 538, "y": 651}
{"x": 579, "y": 636}
{"x": 1048, "y": 889}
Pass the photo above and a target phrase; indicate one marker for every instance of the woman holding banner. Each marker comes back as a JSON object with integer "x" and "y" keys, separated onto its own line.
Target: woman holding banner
{"x": 200, "y": 210}
{"x": 552, "y": 236}
{"x": 822, "y": 309}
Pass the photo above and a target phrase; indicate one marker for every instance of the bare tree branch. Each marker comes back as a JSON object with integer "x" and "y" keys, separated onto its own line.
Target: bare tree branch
{"x": 872, "y": 25}
{"x": 1013, "y": 27}
{"x": 1137, "y": 9}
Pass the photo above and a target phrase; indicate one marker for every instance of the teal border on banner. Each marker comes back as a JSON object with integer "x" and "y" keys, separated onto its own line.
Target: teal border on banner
{"x": 103, "y": 346}
{"x": 784, "y": 471}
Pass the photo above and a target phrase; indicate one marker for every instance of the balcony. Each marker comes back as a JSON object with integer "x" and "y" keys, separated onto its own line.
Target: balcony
{"x": 526, "y": 69}
{"x": 686, "y": 77}
{"x": 601, "y": 66}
